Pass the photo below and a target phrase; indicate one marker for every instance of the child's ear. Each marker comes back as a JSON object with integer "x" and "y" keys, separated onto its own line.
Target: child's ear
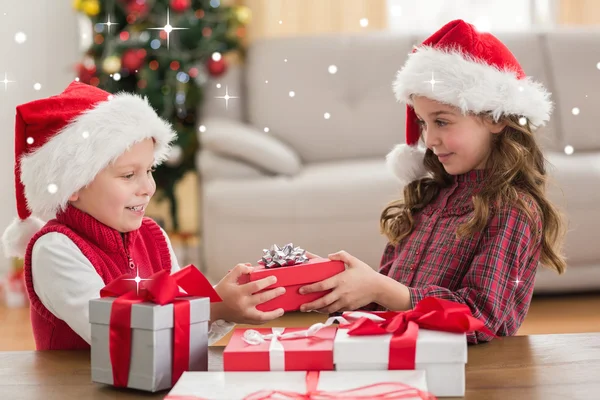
{"x": 74, "y": 197}
{"x": 495, "y": 127}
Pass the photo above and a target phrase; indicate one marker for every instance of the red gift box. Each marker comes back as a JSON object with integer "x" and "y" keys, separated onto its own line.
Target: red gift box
{"x": 293, "y": 278}
{"x": 309, "y": 353}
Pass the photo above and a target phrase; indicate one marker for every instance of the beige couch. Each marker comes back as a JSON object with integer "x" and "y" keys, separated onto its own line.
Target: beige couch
{"x": 322, "y": 183}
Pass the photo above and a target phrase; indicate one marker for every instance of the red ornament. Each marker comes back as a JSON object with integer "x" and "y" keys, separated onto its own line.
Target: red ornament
{"x": 85, "y": 74}
{"x": 180, "y": 6}
{"x": 216, "y": 68}
{"x": 133, "y": 59}
{"x": 138, "y": 9}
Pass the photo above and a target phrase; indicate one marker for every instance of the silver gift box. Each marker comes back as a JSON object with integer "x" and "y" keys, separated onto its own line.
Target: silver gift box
{"x": 151, "y": 342}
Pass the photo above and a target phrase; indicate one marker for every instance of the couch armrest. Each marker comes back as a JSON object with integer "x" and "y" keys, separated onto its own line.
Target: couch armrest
{"x": 213, "y": 166}
{"x": 239, "y": 141}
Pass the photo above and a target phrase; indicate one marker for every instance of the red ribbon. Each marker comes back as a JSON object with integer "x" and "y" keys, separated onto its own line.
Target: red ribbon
{"x": 161, "y": 288}
{"x": 377, "y": 391}
{"x": 430, "y": 313}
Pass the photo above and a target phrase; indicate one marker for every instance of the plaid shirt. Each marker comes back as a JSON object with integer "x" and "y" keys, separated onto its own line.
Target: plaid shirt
{"x": 492, "y": 272}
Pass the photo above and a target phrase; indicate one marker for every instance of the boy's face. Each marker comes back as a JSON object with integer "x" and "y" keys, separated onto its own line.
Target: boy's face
{"x": 461, "y": 142}
{"x": 120, "y": 193}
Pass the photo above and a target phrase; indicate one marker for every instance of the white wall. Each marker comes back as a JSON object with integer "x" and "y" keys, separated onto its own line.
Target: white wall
{"x": 47, "y": 56}
{"x": 427, "y": 16}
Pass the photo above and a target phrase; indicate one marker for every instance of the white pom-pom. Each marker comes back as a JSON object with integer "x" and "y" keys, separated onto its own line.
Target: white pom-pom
{"x": 406, "y": 162}
{"x": 18, "y": 234}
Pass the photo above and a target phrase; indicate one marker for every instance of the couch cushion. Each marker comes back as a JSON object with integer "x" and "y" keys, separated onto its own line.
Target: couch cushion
{"x": 573, "y": 187}
{"x": 246, "y": 143}
{"x": 340, "y": 188}
{"x": 213, "y": 166}
{"x": 365, "y": 119}
{"x": 575, "y": 178}
{"x": 320, "y": 191}
{"x": 573, "y": 56}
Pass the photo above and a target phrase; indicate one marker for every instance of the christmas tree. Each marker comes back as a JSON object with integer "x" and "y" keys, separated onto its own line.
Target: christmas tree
{"x": 164, "y": 50}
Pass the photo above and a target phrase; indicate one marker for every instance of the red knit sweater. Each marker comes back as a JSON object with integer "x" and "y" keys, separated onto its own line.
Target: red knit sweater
{"x": 109, "y": 252}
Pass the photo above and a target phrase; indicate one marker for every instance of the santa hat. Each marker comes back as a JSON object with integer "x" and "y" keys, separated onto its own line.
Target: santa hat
{"x": 470, "y": 70}
{"x": 64, "y": 141}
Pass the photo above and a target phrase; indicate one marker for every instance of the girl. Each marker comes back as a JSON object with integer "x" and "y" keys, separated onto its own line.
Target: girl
{"x": 85, "y": 158}
{"x": 475, "y": 226}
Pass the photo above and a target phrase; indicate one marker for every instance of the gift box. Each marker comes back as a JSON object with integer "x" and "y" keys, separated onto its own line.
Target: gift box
{"x": 431, "y": 337}
{"x": 281, "y": 349}
{"x": 12, "y": 286}
{"x": 151, "y": 342}
{"x": 293, "y": 270}
{"x": 407, "y": 385}
{"x": 442, "y": 355}
{"x": 146, "y": 337}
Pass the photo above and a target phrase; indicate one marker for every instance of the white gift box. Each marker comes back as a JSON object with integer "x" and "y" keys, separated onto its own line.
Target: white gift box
{"x": 151, "y": 342}
{"x": 238, "y": 385}
{"x": 442, "y": 355}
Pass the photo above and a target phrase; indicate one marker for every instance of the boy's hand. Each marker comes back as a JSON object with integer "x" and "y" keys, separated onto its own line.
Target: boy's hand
{"x": 354, "y": 288}
{"x": 240, "y": 301}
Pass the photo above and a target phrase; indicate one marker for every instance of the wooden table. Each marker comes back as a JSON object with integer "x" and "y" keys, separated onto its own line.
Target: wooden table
{"x": 522, "y": 367}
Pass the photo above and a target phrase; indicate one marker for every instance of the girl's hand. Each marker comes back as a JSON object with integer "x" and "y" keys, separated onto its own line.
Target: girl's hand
{"x": 240, "y": 301}
{"x": 354, "y": 288}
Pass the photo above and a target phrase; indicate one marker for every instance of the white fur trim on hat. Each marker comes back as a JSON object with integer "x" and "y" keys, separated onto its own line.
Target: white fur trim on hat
{"x": 75, "y": 155}
{"x": 406, "y": 162}
{"x": 18, "y": 234}
{"x": 471, "y": 85}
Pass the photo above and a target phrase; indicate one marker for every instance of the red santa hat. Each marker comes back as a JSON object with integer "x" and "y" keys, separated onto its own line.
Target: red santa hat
{"x": 473, "y": 71}
{"x": 64, "y": 141}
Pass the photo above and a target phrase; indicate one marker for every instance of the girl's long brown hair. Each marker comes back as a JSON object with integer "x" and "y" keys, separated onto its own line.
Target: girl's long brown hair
{"x": 516, "y": 165}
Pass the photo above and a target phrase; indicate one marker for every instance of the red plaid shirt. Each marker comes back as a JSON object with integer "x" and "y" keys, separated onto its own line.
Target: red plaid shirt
{"x": 492, "y": 272}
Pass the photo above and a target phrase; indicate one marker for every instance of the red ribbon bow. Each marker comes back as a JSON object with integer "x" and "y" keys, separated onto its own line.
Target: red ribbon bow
{"x": 377, "y": 391}
{"x": 161, "y": 288}
{"x": 430, "y": 313}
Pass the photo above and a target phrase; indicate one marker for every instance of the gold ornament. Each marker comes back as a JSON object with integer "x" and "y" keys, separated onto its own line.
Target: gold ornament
{"x": 243, "y": 15}
{"x": 232, "y": 58}
{"x": 91, "y": 7}
{"x": 111, "y": 65}
{"x": 77, "y": 4}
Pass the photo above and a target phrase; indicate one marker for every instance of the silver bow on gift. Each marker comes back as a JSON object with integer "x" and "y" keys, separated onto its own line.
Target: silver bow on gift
{"x": 280, "y": 257}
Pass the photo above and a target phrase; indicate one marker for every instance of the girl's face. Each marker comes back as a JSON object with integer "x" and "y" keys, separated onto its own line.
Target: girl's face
{"x": 462, "y": 143}
{"x": 120, "y": 193}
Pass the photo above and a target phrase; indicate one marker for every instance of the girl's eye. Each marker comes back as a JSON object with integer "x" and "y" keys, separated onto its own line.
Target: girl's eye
{"x": 438, "y": 122}
{"x": 151, "y": 170}
{"x": 128, "y": 176}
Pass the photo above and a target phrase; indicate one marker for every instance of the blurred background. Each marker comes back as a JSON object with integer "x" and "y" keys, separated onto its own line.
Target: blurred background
{"x": 285, "y": 112}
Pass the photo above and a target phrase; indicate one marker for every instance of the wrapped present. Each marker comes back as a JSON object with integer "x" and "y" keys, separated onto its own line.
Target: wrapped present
{"x": 431, "y": 337}
{"x": 295, "y": 385}
{"x": 293, "y": 270}
{"x": 281, "y": 349}
{"x": 147, "y": 332}
{"x": 12, "y": 286}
